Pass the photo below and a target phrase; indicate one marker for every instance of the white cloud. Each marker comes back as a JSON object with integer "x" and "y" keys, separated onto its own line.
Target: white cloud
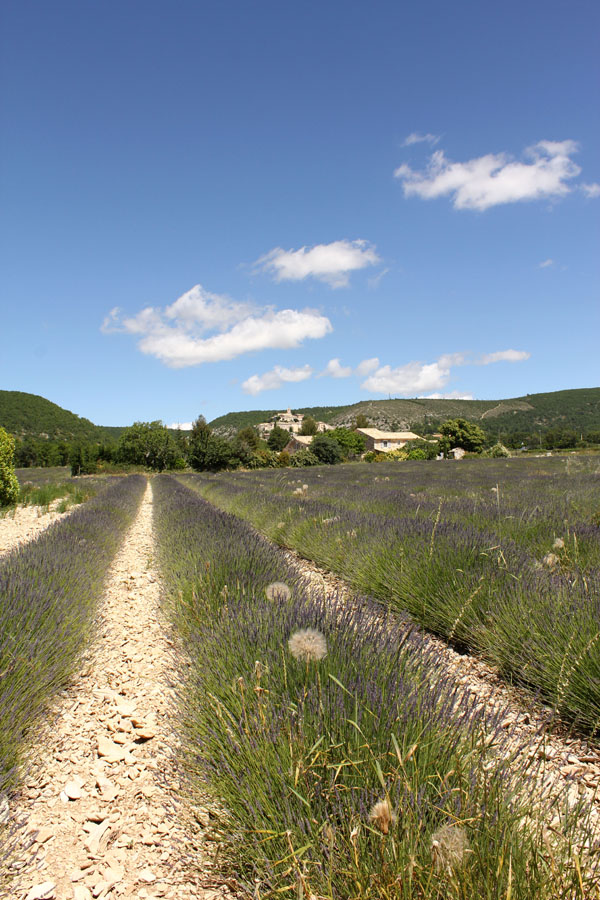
{"x": 452, "y": 395}
{"x": 416, "y": 138}
{"x": 367, "y": 365}
{"x": 418, "y": 379}
{"x": 495, "y": 179}
{"x": 177, "y": 334}
{"x": 277, "y": 377}
{"x": 546, "y": 264}
{"x": 181, "y": 426}
{"x": 503, "y": 356}
{"x": 591, "y": 190}
{"x": 336, "y": 370}
{"x": 331, "y": 263}
{"x": 408, "y": 380}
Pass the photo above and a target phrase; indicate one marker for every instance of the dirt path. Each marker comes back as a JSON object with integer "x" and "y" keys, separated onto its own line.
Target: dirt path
{"x": 102, "y": 801}
{"x": 26, "y": 522}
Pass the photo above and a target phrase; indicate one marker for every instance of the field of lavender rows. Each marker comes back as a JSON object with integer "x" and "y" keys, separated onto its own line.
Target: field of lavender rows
{"x": 500, "y": 557}
{"x": 342, "y": 760}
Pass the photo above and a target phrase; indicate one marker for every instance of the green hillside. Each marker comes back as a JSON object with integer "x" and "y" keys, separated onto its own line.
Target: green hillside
{"x": 28, "y": 415}
{"x": 575, "y": 409}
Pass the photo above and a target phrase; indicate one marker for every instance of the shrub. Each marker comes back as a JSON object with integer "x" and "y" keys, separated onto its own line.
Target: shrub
{"x": 304, "y": 458}
{"x": 498, "y": 451}
{"x": 9, "y": 486}
{"x": 326, "y": 449}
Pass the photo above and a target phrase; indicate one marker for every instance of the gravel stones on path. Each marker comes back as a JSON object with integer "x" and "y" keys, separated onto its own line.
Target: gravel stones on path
{"x": 23, "y": 524}
{"x": 103, "y": 806}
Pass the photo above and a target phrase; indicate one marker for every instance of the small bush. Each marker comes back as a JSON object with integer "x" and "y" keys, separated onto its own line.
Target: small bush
{"x": 9, "y": 486}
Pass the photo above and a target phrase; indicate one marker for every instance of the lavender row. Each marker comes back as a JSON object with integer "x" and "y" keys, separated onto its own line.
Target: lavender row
{"x": 49, "y": 591}
{"x": 521, "y": 592}
{"x": 343, "y": 759}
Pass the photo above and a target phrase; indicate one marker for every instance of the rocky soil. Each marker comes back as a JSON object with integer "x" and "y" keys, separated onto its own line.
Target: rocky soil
{"x": 25, "y": 523}
{"x": 103, "y": 806}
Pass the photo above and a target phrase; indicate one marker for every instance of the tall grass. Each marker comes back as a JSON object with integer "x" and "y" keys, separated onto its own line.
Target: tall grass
{"x": 502, "y": 558}
{"x": 343, "y": 761}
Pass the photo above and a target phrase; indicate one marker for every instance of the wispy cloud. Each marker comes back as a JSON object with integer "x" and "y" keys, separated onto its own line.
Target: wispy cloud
{"x": 416, "y": 138}
{"x": 495, "y": 179}
{"x": 367, "y": 365}
{"x": 335, "y": 369}
{"x": 277, "y": 377}
{"x": 332, "y": 263}
{"x": 417, "y": 378}
{"x": 511, "y": 356}
{"x": 179, "y": 335}
{"x": 591, "y": 190}
{"x": 546, "y": 264}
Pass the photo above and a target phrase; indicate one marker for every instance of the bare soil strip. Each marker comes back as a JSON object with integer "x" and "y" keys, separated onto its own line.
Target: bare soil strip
{"x": 104, "y": 814}
{"x": 566, "y": 766}
{"x": 25, "y": 523}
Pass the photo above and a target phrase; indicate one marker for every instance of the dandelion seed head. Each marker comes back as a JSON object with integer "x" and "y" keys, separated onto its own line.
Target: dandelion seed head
{"x": 382, "y": 816}
{"x": 558, "y": 544}
{"x": 308, "y": 645}
{"x": 449, "y": 847}
{"x": 278, "y": 590}
{"x": 551, "y": 560}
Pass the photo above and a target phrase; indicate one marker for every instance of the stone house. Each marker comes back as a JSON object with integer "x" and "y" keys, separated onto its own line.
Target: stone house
{"x": 289, "y": 421}
{"x": 386, "y": 441}
{"x": 298, "y": 442}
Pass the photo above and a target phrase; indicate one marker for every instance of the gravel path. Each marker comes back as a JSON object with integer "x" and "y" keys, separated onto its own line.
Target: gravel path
{"x": 26, "y": 522}
{"x": 105, "y": 816}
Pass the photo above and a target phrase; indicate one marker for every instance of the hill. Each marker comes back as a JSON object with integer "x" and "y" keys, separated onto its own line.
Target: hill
{"x": 28, "y": 415}
{"x": 574, "y": 409}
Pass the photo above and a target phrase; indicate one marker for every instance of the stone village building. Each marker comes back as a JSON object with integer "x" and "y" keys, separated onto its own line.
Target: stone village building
{"x": 386, "y": 441}
{"x": 289, "y": 421}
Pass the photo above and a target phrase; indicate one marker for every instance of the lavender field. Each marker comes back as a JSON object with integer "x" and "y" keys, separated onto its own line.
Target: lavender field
{"x": 342, "y": 760}
{"x": 499, "y": 557}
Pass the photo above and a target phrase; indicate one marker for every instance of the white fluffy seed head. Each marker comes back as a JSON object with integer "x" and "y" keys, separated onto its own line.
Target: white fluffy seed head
{"x": 382, "y": 816}
{"x": 308, "y": 645}
{"x": 558, "y": 544}
{"x": 551, "y": 560}
{"x": 449, "y": 848}
{"x": 278, "y": 589}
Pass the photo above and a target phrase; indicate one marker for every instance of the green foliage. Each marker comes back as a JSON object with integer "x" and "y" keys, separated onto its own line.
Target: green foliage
{"x": 28, "y": 414}
{"x": 326, "y": 449}
{"x": 361, "y": 421}
{"x": 248, "y": 436}
{"x": 83, "y": 459}
{"x": 198, "y": 443}
{"x": 498, "y": 451}
{"x": 309, "y": 426}
{"x": 9, "y": 485}
{"x": 278, "y": 439}
{"x": 421, "y": 450}
{"x": 148, "y": 444}
{"x": 460, "y": 433}
{"x": 560, "y": 439}
{"x": 303, "y": 458}
{"x": 283, "y": 459}
{"x": 351, "y": 442}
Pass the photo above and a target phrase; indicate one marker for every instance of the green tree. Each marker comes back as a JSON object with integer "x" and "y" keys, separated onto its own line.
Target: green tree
{"x": 278, "y": 439}
{"x": 351, "y": 442}
{"x": 309, "y": 426}
{"x": 198, "y": 443}
{"x": 83, "y": 459}
{"x": 219, "y": 454}
{"x": 249, "y": 436}
{"x": 421, "y": 450}
{"x": 148, "y": 444}
{"x": 361, "y": 421}
{"x": 9, "y": 485}
{"x": 303, "y": 458}
{"x": 326, "y": 449}
{"x": 460, "y": 433}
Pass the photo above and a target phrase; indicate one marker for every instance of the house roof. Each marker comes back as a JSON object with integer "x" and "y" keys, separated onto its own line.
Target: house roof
{"x": 378, "y": 435}
{"x": 305, "y": 439}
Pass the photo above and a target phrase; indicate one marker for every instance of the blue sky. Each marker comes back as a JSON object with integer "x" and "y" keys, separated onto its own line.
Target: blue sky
{"x": 221, "y": 206}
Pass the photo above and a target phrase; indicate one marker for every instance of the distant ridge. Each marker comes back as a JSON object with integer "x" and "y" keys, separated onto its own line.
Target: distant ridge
{"x": 578, "y": 409}
{"x": 29, "y": 415}
{"x": 25, "y": 414}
